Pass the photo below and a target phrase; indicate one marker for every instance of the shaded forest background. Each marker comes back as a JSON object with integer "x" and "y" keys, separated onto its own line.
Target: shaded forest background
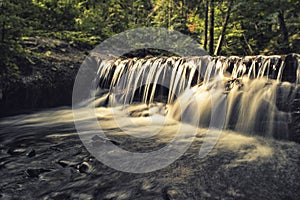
{"x": 222, "y": 27}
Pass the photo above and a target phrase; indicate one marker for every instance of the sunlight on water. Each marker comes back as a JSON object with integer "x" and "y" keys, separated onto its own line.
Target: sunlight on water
{"x": 251, "y": 107}
{"x": 255, "y": 92}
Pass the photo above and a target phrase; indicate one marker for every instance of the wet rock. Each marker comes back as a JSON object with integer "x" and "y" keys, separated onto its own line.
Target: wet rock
{"x": 85, "y": 167}
{"x": 97, "y": 141}
{"x": 74, "y": 151}
{"x": 83, "y": 196}
{"x": 290, "y": 69}
{"x": 97, "y": 138}
{"x": 235, "y": 193}
{"x": 58, "y": 196}
{"x": 147, "y": 185}
{"x": 34, "y": 173}
{"x": 206, "y": 194}
{"x": 121, "y": 195}
{"x": 66, "y": 163}
{"x": 16, "y": 151}
{"x": 172, "y": 194}
{"x": 30, "y": 153}
{"x": 115, "y": 142}
{"x": 55, "y": 148}
{"x": 63, "y": 163}
{"x": 58, "y": 176}
{"x": 2, "y": 165}
{"x": 89, "y": 159}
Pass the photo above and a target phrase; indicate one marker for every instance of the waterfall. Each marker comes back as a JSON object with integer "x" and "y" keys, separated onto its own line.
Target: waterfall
{"x": 258, "y": 92}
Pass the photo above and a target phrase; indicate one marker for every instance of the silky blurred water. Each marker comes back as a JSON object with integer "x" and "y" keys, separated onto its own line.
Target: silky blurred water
{"x": 42, "y": 157}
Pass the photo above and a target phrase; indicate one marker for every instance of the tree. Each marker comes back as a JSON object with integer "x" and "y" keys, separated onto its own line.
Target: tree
{"x": 222, "y": 34}
{"x": 138, "y": 11}
{"x": 206, "y": 25}
{"x": 171, "y": 14}
{"x": 13, "y": 23}
{"x": 117, "y": 19}
{"x": 212, "y": 26}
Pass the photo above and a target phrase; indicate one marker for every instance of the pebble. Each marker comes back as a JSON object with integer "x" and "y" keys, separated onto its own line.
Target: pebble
{"x": 84, "y": 167}
{"x": 172, "y": 194}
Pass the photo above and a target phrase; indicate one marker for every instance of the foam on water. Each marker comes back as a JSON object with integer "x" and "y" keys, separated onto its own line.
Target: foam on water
{"x": 256, "y": 92}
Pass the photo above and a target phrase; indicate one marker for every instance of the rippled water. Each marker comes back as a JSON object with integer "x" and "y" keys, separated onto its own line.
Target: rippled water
{"x": 42, "y": 157}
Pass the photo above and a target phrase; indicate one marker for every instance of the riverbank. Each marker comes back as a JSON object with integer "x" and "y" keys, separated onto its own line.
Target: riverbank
{"x": 46, "y": 76}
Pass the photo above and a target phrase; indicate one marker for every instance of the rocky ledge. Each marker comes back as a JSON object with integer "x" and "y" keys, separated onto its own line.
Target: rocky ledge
{"x": 46, "y": 78}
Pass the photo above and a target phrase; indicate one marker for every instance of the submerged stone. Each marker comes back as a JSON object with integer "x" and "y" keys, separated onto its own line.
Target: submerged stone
{"x": 16, "y": 151}
{"x": 34, "y": 173}
{"x": 85, "y": 167}
{"x": 31, "y": 153}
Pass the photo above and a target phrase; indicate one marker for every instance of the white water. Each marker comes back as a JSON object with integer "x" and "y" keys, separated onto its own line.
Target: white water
{"x": 250, "y": 108}
{"x": 252, "y": 92}
{"x": 253, "y": 103}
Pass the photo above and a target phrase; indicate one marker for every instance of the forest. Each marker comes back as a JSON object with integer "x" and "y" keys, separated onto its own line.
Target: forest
{"x": 222, "y": 27}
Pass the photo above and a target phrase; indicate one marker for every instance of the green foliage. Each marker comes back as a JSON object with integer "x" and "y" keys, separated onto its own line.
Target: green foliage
{"x": 254, "y": 27}
{"x": 260, "y": 26}
{"x": 57, "y": 14}
{"x": 117, "y": 17}
{"x": 76, "y": 38}
{"x": 171, "y": 14}
{"x": 138, "y": 11}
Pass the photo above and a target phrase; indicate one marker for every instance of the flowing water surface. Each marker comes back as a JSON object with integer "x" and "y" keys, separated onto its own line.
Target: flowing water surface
{"x": 141, "y": 105}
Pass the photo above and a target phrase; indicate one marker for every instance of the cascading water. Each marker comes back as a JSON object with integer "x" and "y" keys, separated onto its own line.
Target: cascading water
{"x": 49, "y": 154}
{"x": 258, "y": 92}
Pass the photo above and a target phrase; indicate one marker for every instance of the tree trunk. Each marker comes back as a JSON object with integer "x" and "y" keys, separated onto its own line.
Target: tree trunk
{"x": 248, "y": 45}
{"x": 3, "y": 32}
{"x": 94, "y": 4}
{"x": 222, "y": 34}
{"x": 169, "y": 13}
{"x": 206, "y": 25}
{"x": 211, "y": 30}
{"x": 284, "y": 31}
{"x": 2, "y": 10}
